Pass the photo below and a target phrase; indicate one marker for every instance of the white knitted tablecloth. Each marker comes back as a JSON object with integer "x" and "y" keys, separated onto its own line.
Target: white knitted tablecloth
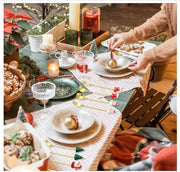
{"x": 134, "y": 80}
{"x": 94, "y": 148}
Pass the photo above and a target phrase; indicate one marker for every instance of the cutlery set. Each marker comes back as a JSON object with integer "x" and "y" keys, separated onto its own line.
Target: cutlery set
{"x": 75, "y": 165}
{"x": 79, "y": 96}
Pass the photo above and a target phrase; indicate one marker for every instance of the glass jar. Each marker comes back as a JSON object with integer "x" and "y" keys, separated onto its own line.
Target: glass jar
{"x": 91, "y": 18}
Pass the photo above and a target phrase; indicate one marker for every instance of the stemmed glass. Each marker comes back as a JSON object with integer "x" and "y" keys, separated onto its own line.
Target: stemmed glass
{"x": 83, "y": 58}
{"x": 43, "y": 91}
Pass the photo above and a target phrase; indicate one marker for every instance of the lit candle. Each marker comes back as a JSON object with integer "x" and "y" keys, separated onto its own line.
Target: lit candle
{"x": 47, "y": 39}
{"x": 53, "y": 67}
{"x": 74, "y": 16}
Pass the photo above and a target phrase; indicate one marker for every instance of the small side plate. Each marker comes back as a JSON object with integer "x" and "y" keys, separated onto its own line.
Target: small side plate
{"x": 71, "y": 62}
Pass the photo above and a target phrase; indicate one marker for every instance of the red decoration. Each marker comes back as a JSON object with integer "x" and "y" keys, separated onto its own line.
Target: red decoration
{"x": 76, "y": 165}
{"x": 29, "y": 117}
{"x": 76, "y": 119}
{"x": 113, "y": 95}
{"x": 80, "y": 67}
{"x": 116, "y": 89}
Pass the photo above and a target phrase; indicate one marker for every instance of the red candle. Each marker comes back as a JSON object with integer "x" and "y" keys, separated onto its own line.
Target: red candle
{"x": 91, "y": 18}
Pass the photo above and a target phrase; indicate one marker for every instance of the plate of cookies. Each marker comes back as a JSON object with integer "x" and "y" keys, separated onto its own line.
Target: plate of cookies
{"x": 132, "y": 49}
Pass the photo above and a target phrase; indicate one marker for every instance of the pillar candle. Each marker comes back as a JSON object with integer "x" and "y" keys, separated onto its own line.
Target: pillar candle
{"x": 74, "y": 16}
{"x": 47, "y": 39}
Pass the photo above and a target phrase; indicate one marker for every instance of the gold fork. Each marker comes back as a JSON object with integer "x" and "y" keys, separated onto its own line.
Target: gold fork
{"x": 81, "y": 97}
{"x": 83, "y": 90}
{"x": 90, "y": 84}
{"x": 82, "y": 105}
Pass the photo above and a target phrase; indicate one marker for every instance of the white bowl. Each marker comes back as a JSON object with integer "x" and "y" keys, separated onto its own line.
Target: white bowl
{"x": 85, "y": 120}
{"x": 122, "y": 63}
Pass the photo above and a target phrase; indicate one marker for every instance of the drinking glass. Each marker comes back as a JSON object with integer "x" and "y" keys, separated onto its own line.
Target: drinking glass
{"x": 83, "y": 58}
{"x": 71, "y": 37}
{"x": 43, "y": 91}
{"x": 86, "y": 35}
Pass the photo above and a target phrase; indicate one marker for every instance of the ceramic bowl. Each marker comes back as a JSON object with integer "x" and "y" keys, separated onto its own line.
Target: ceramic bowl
{"x": 122, "y": 63}
{"x": 85, "y": 120}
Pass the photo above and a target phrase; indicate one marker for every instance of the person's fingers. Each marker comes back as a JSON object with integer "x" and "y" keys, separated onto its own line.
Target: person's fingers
{"x": 133, "y": 68}
{"x": 133, "y": 63}
{"x": 111, "y": 42}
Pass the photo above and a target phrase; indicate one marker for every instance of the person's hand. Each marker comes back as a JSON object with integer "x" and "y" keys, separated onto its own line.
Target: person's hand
{"x": 139, "y": 64}
{"x": 115, "y": 41}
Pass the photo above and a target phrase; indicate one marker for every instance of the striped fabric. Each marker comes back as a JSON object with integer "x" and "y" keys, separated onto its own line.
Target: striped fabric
{"x": 94, "y": 148}
{"x": 137, "y": 79}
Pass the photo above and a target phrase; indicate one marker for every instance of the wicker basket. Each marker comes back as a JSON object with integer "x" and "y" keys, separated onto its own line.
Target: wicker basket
{"x": 9, "y": 99}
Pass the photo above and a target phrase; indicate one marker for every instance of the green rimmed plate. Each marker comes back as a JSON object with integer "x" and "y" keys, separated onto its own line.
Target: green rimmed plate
{"x": 65, "y": 87}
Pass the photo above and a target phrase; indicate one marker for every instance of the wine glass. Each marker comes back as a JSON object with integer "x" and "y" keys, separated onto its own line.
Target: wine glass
{"x": 83, "y": 57}
{"x": 43, "y": 91}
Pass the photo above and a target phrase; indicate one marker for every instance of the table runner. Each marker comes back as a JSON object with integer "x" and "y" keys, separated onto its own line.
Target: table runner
{"x": 94, "y": 148}
{"x": 134, "y": 80}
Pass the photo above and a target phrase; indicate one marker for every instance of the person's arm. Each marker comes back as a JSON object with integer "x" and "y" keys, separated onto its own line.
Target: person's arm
{"x": 159, "y": 53}
{"x": 163, "y": 51}
{"x": 152, "y": 27}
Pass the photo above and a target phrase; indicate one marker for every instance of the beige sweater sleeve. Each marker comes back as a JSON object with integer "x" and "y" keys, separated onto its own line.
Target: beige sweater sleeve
{"x": 152, "y": 27}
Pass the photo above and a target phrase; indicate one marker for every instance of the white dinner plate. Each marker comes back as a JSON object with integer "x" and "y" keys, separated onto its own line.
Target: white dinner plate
{"x": 85, "y": 120}
{"x": 131, "y": 54}
{"x": 95, "y": 67}
{"x": 73, "y": 138}
{"x": 69, "y": 64}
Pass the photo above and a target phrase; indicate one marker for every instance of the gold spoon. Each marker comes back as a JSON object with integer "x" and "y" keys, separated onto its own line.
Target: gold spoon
{"x": 51, "y": 145}
{"x": 77, "y": 149}
{"x": 79, "y": 105}
{"x": 89, "y": 84}
{"x": 83, "y": 90}
{"x": 81, "y": 97}
{"x": 112, "y": 62}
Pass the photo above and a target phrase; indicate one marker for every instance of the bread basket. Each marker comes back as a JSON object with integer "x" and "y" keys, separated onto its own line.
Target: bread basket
{"x": 14, "y": 95}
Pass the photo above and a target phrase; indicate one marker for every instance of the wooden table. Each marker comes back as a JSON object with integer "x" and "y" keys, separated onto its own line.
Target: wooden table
{"x": 41, "y": 60}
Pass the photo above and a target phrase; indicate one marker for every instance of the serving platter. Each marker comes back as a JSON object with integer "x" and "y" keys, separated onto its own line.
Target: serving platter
{"x": 132, "y": 54}
{"x": 65, "y": 87}
{"x": 73, "y": 138}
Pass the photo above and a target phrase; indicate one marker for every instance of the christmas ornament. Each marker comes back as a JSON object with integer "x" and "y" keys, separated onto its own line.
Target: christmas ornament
{"x": 71, "y": 122}
{"x": 112, "y": 62}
